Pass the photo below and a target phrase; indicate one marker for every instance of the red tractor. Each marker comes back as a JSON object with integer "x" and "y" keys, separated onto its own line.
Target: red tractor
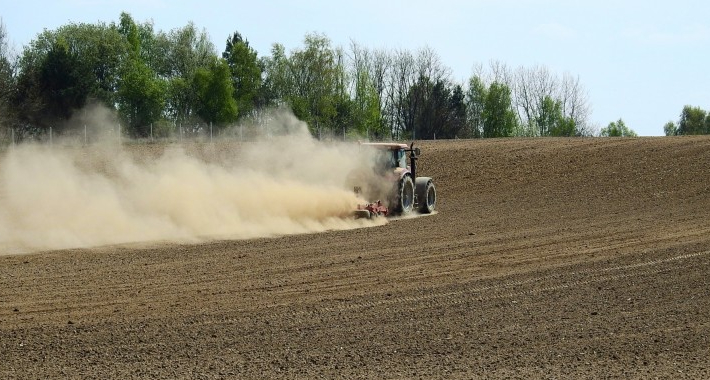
{"x": 396, "y": 182}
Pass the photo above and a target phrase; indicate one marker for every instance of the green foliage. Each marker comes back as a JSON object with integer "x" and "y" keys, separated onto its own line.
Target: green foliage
{"x": 53, "y": 84}
{"x": 475, "y": 101}
{"x": 180, "y": 99}
{"x": 617, "y": 129}
{"x": 316, "y": 76}
{"x": 277, "y": 84}
{"x": 177, "y": 56}
{"x": 499, "y": 119}
{"x": 310, "y": 80}
{"x": 693, "y": 121}
{"x": 366, "y": 115}
{"x": 245, "y": 72}
{"x": 439, "y": 110}
{"x": 141, "y": 94}
{"x": 64, "y": 81}
{"x": 564, "y": 127}
{"x": 213, "y": 86}
{"x": 141, "y": 97}
{"x": 61, "y": 70}
{"x": 551, "y": 120}
{"x": 455, "y": 125}
{"x": 670, "y": 129}
{"x": 175, "y": 77}
{"x": 129, "y": 30}
{"x": 550, "y": 113}
{"x": 187, "y": 50}
{"x": 7, "y": 80}
{"x": 418, "y": 109}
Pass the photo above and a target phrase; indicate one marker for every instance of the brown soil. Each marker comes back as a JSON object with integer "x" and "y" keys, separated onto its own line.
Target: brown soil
{"x": 548, "y": 258}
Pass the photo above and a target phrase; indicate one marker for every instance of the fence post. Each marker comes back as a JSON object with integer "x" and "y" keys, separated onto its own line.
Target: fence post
{"x": 86, "y": 137}
{"x": 151, "y": 132}
{"x": 13, "y": 136}
{"x": 50, "y": 136}
{"x": 210, "y": 131}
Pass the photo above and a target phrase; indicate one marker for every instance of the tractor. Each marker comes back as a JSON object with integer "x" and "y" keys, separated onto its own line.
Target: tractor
{"x": 395, "y": 181}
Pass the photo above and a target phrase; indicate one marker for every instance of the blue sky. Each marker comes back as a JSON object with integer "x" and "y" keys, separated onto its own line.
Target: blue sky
{"x": 641, "y": 61}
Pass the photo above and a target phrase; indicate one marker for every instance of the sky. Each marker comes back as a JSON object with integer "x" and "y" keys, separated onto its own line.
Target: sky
{"x": 639, "y": 61}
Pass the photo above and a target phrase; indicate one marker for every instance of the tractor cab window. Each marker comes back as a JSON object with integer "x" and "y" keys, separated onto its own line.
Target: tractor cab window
{"x": 390, "y": 159}
{"x": 400, "y": 158}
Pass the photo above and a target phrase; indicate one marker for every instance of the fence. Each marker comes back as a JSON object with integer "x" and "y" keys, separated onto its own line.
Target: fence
{"x": 117, "y": 134}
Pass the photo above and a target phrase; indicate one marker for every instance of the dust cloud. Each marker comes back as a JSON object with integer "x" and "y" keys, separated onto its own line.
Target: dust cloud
{"x": 284, "y": 182}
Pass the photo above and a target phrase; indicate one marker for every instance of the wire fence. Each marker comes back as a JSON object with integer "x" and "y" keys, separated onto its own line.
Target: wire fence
{"x": 118, "y": 134}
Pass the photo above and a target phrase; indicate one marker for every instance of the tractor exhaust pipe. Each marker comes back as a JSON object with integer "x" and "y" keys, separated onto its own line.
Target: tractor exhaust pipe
{"x": 413, "y": 156}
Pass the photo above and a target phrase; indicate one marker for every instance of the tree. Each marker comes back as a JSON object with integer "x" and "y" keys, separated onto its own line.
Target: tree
{"x": 415, "y": 78}
{"x": 499, "y": 119}
{"x": 475, "y": 104}
{"x": 245, "y": 72}
{"x": 539, "y": 95}
{"x": 548, "y": 115}
{"x": 188, "y": 49}
{"x": 617, "y": 129}
{"x": 399, "y": 81}
{"x": 315, "y": 74}
{"x": 670, "y": 129}
{"x": 7, "y": 79}
{"x": 366, "y": 90}
{"x": 565, "y": 127}
{"x": 62, "y": 70}
{"x": 141, "y": 94}
{"x": 367, "y": 117}
{"x": 214, "y": 90}
{"x": 373, "y": 73}
{"x": 457, "y": 122}
{"x": 310, "y": 80}
{"x": 53, "y": 86}
{"x": 277, "y": 81}
{"x": 692, "y": 121}
{"x": 552, "y": 121}
{"x": 575, "y": 105}
{"x": 419, "y": 109}
{"x": 180, "y": 54}
{"x": 441, "y": 110}
{"x": 141, "y": 97}
{"x": 65, "y": 81}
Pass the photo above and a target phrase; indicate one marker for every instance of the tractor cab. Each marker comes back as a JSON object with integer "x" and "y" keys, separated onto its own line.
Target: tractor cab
{"x": 389, "y": 157}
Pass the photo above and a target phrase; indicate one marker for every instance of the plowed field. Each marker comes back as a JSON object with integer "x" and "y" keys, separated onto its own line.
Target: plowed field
{"x": 548, "y": 258}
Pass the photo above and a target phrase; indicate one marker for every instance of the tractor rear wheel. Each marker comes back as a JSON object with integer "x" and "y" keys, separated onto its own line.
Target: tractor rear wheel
{"x": 405, "y": 196}
{"x": 426, "y": 196}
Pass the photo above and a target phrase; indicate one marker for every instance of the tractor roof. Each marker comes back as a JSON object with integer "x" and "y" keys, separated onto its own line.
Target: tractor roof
{"x": 387, "y": 146}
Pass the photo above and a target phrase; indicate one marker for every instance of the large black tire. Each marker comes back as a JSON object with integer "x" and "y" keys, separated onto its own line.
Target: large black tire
{"x": 404, "y": 200}
{"x": 426, "y": 195}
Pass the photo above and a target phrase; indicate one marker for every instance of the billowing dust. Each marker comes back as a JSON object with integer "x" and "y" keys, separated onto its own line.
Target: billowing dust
{"x": 284, "y": 182}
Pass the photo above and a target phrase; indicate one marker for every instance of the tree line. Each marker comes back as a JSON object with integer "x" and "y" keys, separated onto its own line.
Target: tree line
{"x": 692, "y": 121}
{"x": 158, "y": 80}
